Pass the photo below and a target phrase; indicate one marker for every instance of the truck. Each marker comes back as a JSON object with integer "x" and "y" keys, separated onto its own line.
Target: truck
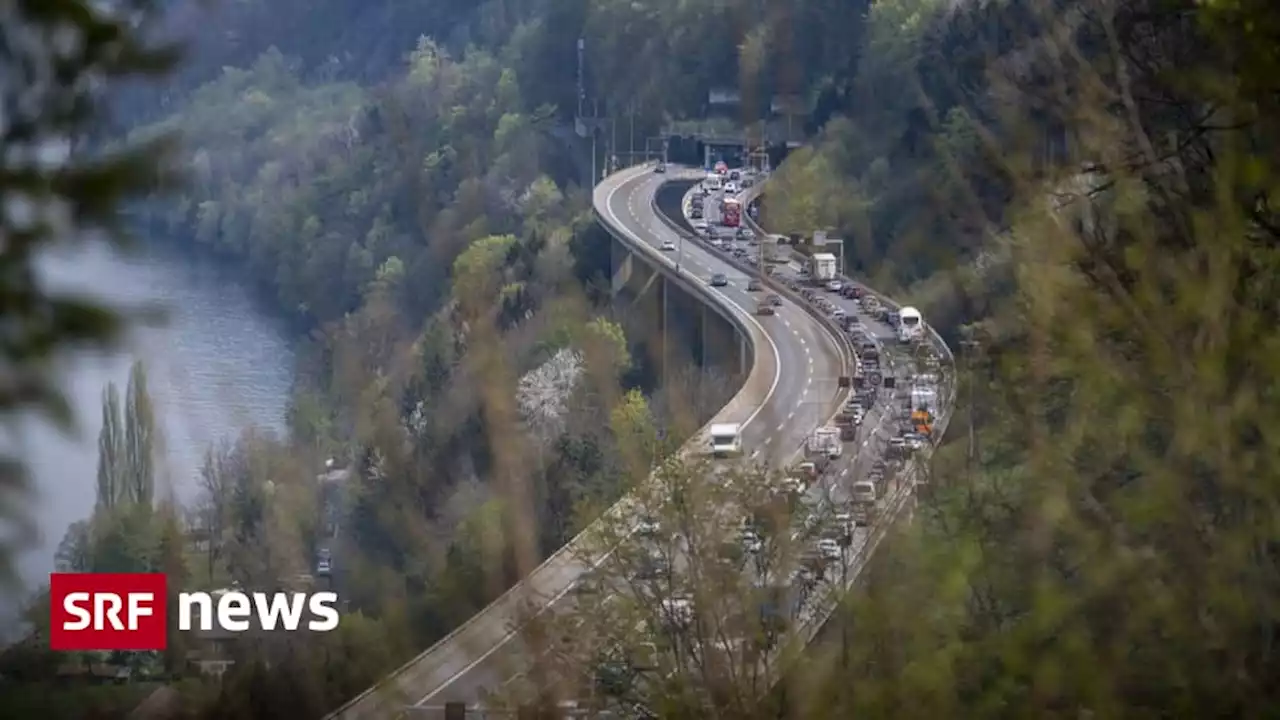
{"x": 824, "y": 268}
{"x": 923, "y": 408}
{"x": 731, "y": 213}
{"x": 726, "y": 439}
{"x": 825, "y": 443}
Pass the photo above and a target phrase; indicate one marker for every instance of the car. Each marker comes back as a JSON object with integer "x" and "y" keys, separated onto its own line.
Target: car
{"x": 731, "y": 188}
{"x": 794, "y": 485}
{"x": 835, "y": 286}
{"x": 735, "y": 175}
{"x": 660, "y": 168}
{"x": 753, "y": 285}
{"x": 829, "y": 549}
{"x": 647, "y": 527}
{"x": 765, "y": 309}
{"x": 668, "y": 244}
{"x": 719, "y": 280}
{"x": 696, "y": 213}
{"x": 773, "y": 300}
{"x": 700, "y": 225}
{"x": 717, "y": 242}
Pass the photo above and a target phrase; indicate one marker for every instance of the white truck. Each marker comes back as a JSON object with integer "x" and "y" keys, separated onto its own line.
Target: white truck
{"x": 824, "y": 268}
{"x": 825, "y": 442}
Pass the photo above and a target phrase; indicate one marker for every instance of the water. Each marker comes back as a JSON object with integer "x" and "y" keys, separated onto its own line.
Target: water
{"x": 217, "y": 365}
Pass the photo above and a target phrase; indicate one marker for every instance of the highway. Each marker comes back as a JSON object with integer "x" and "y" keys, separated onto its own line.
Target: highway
{"x": 880, "y": 423}
{"x": 791, "y": 389}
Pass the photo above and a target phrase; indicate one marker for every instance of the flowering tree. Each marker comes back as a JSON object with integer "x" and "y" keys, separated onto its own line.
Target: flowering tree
{"x": 543, "y": 393}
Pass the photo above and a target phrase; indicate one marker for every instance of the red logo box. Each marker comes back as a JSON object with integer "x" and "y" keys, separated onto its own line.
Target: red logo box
{"x": 108, "y": 611}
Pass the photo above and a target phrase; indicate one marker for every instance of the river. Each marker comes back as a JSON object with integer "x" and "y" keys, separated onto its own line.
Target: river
{"x": 218, "y": 364}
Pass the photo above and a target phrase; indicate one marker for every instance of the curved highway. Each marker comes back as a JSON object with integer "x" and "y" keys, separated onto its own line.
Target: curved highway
{"x": 791, "y": 389}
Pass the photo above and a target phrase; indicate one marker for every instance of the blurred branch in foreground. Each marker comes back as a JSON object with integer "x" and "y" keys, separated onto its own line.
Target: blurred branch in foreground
{"x": 60, "y": 186}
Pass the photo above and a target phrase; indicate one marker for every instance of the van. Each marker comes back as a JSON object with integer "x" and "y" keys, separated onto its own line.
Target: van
{"x": 726, "y": 439}
{"x": 864, "y": 491}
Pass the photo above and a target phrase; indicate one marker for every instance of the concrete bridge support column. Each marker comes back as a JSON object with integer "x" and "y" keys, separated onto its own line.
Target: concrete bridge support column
{"x": 664, "y": 330}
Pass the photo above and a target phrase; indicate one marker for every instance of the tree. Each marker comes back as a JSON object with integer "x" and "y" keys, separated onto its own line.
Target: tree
{"x": 126, "y": 462}
{"x": 75, "y": 551}
{"x": 68, "y": 186}
{"x": 139, "y": 439}
{"x": 111, "y": 460}
{"x": 670, "y": 612}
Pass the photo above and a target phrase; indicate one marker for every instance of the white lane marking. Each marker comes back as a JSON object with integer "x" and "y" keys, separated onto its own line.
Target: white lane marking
{"x": 777, "y": 375}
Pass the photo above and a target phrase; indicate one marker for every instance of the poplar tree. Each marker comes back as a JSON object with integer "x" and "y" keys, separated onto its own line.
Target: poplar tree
{"x": 110, "y": 446}
{"x": 139, "y": 439}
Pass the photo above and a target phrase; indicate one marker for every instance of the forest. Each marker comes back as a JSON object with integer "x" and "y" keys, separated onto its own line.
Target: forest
{"x": 1076, "y": 194}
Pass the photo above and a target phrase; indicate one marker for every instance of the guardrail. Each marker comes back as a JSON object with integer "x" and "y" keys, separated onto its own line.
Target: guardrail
{"x": 935, "y": 339}
{"x": 387, "y": 698}
{"x": 903, "y": 493}
{"x": 847, "y": 354}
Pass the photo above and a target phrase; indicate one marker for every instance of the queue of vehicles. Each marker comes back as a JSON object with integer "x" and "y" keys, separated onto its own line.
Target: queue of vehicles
{"x": 820, "y": 279}
{"x": 829, "y": 529}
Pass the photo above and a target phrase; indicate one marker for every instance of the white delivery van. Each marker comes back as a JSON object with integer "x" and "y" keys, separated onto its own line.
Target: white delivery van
{"x": 726, "y": 439}
{"x": 713, "y": 181}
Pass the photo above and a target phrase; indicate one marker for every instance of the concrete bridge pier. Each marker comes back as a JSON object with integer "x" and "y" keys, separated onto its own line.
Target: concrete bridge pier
{"x": 674, "y": 323}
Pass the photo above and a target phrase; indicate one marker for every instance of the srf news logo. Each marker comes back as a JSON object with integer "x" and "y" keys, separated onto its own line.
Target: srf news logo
{"x": 129, "y": 611}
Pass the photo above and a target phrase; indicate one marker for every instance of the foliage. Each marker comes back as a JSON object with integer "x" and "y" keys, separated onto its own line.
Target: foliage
{"x": 1106, "y": 550}
{"x": 59, "y": 187}
{"x": 1102, "y": 552}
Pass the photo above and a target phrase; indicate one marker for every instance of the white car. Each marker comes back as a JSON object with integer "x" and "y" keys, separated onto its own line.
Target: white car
{"x": 794, "y": 486}
{"x": 647, "y": 527}
{"x": 835, "y": 286}
{"x": 731, "y": 188}
{"x": 700, "y": 225}
{"x": 829, "y": 549}
{"x": 717, "y": 242}
{"x": 668, "y": 245}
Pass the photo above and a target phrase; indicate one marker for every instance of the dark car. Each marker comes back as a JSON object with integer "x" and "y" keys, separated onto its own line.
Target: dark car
{"x": 719, "y": 280}
{"x": 765, "y": 309}
{"x": 753, "y": 285}
{"x": 774, "y": 300}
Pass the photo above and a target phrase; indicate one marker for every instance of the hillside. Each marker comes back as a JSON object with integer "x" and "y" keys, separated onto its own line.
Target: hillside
{"x": 400, "y": 178}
